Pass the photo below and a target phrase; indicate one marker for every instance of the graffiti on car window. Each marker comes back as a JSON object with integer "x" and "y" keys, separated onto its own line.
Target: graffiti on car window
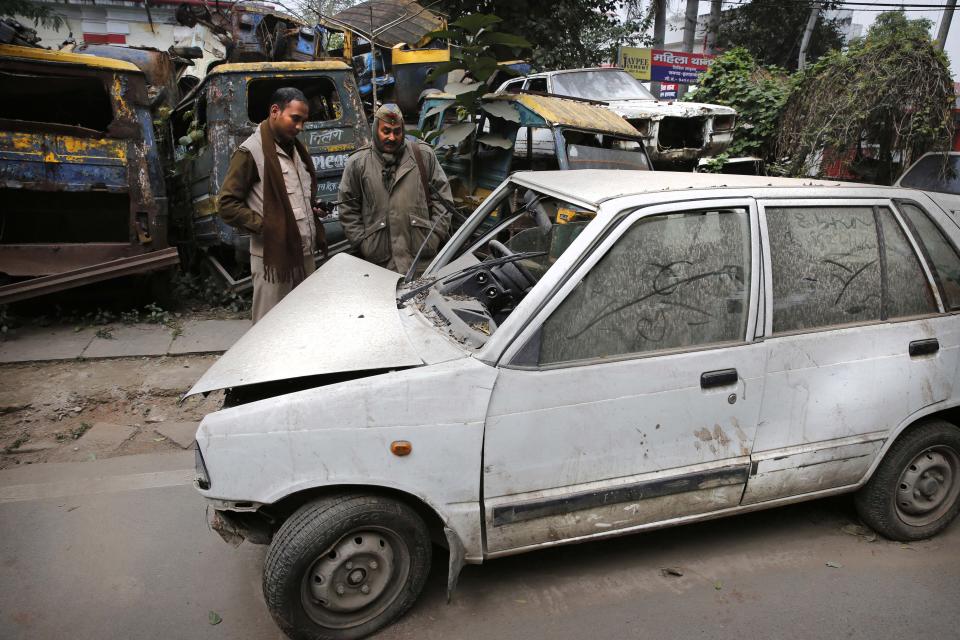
{"x": 670, "y": 281}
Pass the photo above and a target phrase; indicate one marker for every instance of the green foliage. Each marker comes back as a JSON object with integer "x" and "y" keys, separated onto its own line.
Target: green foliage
{"x": 772, "y": 30}
{"x": 39, "y": 13}
{"x": 757, "y": 93}
{"x": 887, "y": 98}
{"x": 566, "y": 33}
{"x": 476, "y": 45}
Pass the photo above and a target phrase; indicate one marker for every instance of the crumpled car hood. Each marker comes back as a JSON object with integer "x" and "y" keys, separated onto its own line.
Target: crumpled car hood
{"x": 342, "y": 318}
{"x": 654, "y": 109}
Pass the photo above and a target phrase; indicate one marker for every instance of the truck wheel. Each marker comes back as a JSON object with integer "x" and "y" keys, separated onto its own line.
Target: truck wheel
{"x": 344, "y": 566}
{"x": 914, "y": 492}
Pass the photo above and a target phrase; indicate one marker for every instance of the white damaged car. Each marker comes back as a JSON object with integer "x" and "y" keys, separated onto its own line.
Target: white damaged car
{"x": 594, "y": 353}
{"x": 676, "y": 134}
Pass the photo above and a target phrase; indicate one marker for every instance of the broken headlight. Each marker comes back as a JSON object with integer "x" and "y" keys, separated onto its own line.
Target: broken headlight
{"x": 201, "y": 479}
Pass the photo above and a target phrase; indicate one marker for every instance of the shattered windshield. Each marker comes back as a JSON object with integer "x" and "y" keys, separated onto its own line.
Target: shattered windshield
{"x": 600, "y": 85}
{"x": 512, "y": 243}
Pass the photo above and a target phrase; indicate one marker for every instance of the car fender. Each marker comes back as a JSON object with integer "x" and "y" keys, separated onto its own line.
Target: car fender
{"x": 341, "y": 435}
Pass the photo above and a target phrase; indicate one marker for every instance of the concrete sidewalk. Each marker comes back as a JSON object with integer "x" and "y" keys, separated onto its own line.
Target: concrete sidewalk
{"x": 119, "y": 340}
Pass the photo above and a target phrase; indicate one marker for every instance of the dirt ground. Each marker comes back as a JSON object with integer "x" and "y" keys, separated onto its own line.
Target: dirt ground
{"x": 71, "y": 411}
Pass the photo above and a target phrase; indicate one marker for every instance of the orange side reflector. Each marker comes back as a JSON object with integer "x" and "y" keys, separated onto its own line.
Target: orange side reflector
{"x": 400, "y": 448}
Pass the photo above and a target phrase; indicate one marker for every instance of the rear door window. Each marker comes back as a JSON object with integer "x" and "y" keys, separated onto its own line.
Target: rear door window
{"x": 837, "y": 265}
{"x": 941, "y": 253}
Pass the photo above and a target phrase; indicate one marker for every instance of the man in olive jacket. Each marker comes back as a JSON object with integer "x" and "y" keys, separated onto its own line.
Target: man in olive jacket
{"x": 390, "y": 197}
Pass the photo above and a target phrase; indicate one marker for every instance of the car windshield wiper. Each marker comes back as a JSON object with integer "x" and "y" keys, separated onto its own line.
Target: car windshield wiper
{"x": 466, "y": 271}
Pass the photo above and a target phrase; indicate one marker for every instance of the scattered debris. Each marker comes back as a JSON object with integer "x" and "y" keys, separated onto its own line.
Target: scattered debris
{"x": 105, "y": 333}
{"x": 860, "y": 531}
{"x": 671, "y": 571}
{"x": 75, "y": 433}
{"x": 834, "y": 565}
{"x": 16, "y": 444}
{"x": 214, "y": 618}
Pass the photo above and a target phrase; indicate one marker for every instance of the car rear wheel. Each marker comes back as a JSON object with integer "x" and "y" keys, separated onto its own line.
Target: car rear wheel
{"x": 344, "y": 566}
{"x": 915, "y": 492}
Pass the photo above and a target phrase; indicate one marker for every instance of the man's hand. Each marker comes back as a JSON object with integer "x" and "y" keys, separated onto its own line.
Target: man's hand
{"x": 322, "y": 209}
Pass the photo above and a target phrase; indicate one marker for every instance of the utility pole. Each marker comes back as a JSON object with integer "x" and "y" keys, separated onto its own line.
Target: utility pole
{"x": 659, "y": 33}
{"x": 689, "y": 35}
{"x": 945, "y": 24}
{"x": 807, "y": 34}
{"x": 713, "y": 25}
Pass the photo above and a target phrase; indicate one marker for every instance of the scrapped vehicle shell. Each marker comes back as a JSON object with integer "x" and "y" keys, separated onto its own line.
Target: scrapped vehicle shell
{"x": 649, "y": 117}
{"x": 339, "y": 435}
{"x": 223, "y": 93}
{"x": 51, "y": 158}
{"x": 550, "y": 116}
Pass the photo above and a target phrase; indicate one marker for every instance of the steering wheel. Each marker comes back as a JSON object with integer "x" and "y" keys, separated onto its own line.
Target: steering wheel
{"x": 504, "y": 251}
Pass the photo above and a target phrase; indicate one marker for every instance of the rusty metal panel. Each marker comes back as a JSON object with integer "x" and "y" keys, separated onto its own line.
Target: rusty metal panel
{"x": 39, "y": 259}
{"x": 580, "y": 115}
{"x": 380, "y": 13}
{"x": 145, "y": 263}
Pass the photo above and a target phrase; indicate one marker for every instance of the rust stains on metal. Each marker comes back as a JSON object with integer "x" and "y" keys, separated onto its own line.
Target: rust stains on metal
{"x": 59, "y": 57}
{"x": 279, "y": 68}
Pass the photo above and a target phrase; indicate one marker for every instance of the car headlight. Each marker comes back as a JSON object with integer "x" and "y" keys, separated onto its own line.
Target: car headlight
{"x": 202, "y": 478}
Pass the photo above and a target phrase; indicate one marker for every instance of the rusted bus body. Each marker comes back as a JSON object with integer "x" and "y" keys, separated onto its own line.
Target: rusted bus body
{"x": 81, "y": 183}
{"x": 225, "y": 109}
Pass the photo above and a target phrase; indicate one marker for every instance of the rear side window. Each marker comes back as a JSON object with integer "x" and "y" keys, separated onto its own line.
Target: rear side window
{"x": 942, "y": 254}
{"x": 671, "y": 281}
{"x": 842, "y": 265}
{"x": 934, "y": 173}
{"x": 537, "y": 84}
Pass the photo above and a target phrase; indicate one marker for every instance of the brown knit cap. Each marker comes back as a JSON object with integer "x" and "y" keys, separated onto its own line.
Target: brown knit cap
{"x": 390, "y": 113}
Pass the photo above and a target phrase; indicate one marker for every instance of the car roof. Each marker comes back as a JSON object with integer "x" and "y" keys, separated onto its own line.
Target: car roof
{"x": 594, "y": 186}
{"x": 559, "y": 71}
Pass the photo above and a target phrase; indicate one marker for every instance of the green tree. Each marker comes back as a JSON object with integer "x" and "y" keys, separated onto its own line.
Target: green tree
{"x": 889, "y": 96}
{"x": 771, "y": 30}
{"x": 565, "y": 33}
{"x": 40, "y": 13}
{"x": 758, "y": 94}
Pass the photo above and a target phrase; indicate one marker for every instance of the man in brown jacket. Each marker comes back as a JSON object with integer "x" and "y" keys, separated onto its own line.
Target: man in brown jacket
{"x": 390, "y": 197}
{"x": 269, "y": 190}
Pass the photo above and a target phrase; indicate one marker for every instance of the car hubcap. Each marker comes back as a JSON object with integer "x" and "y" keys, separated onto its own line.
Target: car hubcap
{"x": 356, "y": 579}
{"x": 928, "y": 487}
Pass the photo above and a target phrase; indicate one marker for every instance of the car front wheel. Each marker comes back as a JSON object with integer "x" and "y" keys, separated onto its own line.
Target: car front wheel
{"x": 344, "y": 566}
{"x": 915, "y": 492}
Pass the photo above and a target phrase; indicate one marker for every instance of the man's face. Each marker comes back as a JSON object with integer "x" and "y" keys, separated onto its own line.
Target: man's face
{"x": 390, "y": 136}
{"x": 286, "y": 123}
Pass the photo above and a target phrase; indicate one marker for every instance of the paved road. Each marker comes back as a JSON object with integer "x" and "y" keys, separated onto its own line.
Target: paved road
{"x": 119, "y": 549}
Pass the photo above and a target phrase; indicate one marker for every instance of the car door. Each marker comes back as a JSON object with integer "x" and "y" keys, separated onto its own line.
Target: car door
{"x": 635, "y": 394}
{"x": 857, "y": 338}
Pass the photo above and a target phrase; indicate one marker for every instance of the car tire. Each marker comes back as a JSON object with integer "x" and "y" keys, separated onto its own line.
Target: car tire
{"x": 915, "y": 492}
{"x": 344, "y": 566}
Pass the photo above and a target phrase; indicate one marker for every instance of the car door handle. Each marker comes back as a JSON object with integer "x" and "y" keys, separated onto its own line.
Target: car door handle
{"x": 718, "y": 378}
{"x": 924, "y": 347}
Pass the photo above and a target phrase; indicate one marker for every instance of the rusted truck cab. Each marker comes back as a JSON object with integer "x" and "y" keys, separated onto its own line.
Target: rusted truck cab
{"x": 82, "y": 194}
{"x": 223, "y": 110}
